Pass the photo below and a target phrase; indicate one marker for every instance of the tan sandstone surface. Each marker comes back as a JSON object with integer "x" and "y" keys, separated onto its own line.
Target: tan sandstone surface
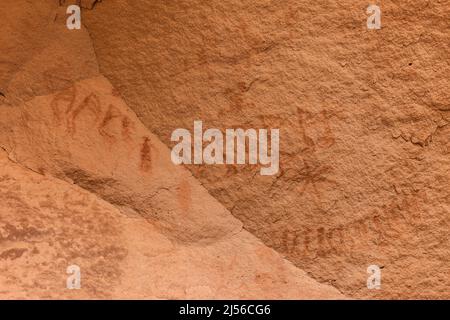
{"x": 364, "y": 149}
{"x": 146, "y": 230}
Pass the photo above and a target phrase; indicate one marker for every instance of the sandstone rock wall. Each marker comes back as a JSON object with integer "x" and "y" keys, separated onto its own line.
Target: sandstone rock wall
{"x": 85, "y": 122}
{"x": 363, "y": 116}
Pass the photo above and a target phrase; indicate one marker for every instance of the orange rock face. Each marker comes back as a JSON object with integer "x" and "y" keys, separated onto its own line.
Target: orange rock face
{"x": 85, "y": 183}
{"x": 87, "y": 179}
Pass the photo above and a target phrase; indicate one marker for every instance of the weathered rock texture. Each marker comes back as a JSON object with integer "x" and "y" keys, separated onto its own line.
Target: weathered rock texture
{"x": 363, "y": 116}
{"x": 364, "y": 128}
{"x": 84, "y": 182}
{"x": 146, "y": 229}
{"x": 38, "y": 54}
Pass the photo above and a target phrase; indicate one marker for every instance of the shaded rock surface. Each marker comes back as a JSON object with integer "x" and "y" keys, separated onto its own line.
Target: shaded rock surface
{"x": 363, "y": 116}
{"x": 38, "y": 53}
{"x": 96, "y": 189}
{"x": 84, "y": 182}
{"x": 47, "y": 224}
{"x": 364, "y": 170}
